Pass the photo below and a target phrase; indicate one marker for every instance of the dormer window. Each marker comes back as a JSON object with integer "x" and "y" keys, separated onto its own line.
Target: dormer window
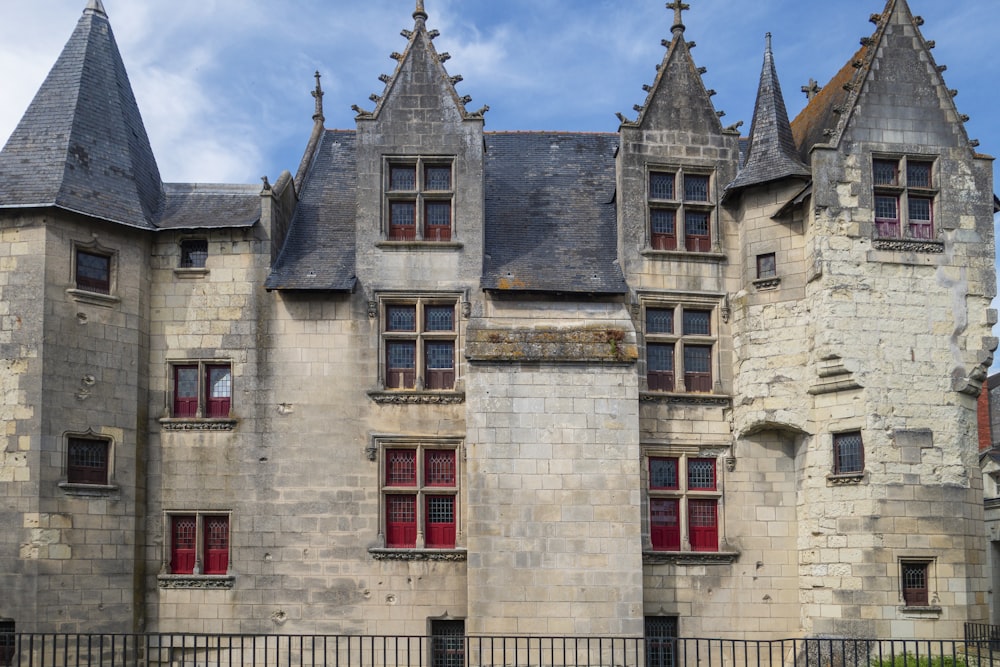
{"x": 904, "y": 193}
{"x": 419, "y": 199}
{"x": 680, "y": 210}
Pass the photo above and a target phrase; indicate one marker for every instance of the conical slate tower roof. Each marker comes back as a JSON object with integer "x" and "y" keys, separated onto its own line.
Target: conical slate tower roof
{"x": 772, "y": 154}
{"x": 81, "y": 145}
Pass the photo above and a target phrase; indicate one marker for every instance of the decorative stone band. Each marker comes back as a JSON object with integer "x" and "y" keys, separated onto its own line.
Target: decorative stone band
{"x": 198, "y": 581}
{"x": 198, "y": 424}
{"x": 448, "y": 555}
{"x": 593, "y": 344}
{"x": 711, "y": 400}
{"x": 417, "y": 397}
{"x": 689, "y": 557}
{"x": 908, "y": 245}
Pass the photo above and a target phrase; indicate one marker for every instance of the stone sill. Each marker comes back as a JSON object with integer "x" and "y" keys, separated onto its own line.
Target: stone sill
{"x": 404, "y": 397}
{"x": 690, "y": 557}
{"x": 451, "y": 555}
{"x": 711, "y": 400}
{"x": 93, "y": 298}
{"x": 925, "y": 612}
{"x": 191, "y": 273}
{"x": 89, "y": 490}
{"x": 846, "y": 479}
{"x": 991, "y": 503}
{"x": 419, "y": 245}
{"x": 197, "y": 581}
{"x": 175, "y": 424}
{"x": 762, "y": 284}
{"x": 896, "y": 247}
{"x": 686, "y": 255}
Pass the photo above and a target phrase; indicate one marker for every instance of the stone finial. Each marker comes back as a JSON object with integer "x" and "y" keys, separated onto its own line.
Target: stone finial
{"x": 419, "y": 14}
{"x": 318, "y": 96}
{"x": 812, "y": 90}
{"x": 679, "y": 9}
{"x": 96, "y": 7}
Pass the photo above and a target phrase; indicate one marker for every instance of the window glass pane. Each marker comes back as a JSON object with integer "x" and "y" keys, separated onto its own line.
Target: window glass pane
{"x": 220, "y": 382}
{"x": 403, "y": 178}
{"x": 918, "y": 174}
{"x": 697, "y": 323}
{"x": 402, "y": 509}
{"x": 663, "y": 221}
{"x": 659, "y": 357}
{"x": 401, "y": 467}
{"x": 439, "y": 467}
{"x": 885, "y": 172}
{"x": 437, "y": 178}
{"x": 701, "y": 513}
{"x": 403, "y": 214}
{"x": 184, "y": 532}
{"x": 447, "y": 643}
{"x": 402, "y": 355}
{"x": 194, "y": 253}
{"x": 660, "y": 320}
{"x": 696, "y": 188}
{"x": 93, "y": 272}
{"x": 440, "y": 355}
{"x": 441, "y": 509}
{"x": 696, "y": 223}
{"x": 440, "y": 318}
{"x": 439, "y": 214}
{"x": 920, "y": 209}
{"x": 217, "y": 532}
{"x": 663, "y": 512}
{"x": 766, "y": 266}
{"x": 886, "y": 208}
{"x": 661, "y": 185}
{"x": 697, "y": 359}
{"x": 662, "y": 473}
{"x": 187, "y": 382}
{"x": 88, "y": 454}
{"x": 701, "y": 473}
{"x": 401, "y": 318}
{"x": 848, "y": 451}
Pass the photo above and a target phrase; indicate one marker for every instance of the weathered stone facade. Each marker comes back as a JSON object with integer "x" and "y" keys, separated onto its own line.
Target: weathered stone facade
{"x": 542, "y": 383}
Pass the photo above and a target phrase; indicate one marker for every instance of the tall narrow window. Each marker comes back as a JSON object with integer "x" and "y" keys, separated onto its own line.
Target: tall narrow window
{"x": 419, "y": 199}
{"x": 904, "y": 193}
{"x": 848, "y": 453}
{"x": 419, "y": 339}
{"x": 87, "y": 461}
{"x": 447, "y": 643}
{"x": 419, "y": 490}
{"x": 661, "y": 641}
{"x": 915, "y": 575}
{"x": 680, "y": 196}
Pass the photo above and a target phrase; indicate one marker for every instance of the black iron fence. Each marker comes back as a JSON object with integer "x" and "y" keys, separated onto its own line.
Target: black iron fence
{"x": 177, "y": 650}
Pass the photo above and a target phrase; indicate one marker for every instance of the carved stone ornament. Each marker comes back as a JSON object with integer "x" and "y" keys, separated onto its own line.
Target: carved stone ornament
{"x": 417, "y": 397}
{"x": 449, "y": 555}
{"x": 198, "y": 424}
{"x": 196, "y": 581}
{"x": 711, "y": 400}
{"x": 848, "y": 479}
{"x": 909, "y": 245}
{"x": 689, "y": 557}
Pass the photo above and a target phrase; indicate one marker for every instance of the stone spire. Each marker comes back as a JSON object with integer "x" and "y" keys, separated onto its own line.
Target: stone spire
{"x": 419, "y": 14}
{"x": 679, "y": 9}
{"x": 318, "y": 96}
{"x": 96, "y": 7}
{"x": 772, "y": 154}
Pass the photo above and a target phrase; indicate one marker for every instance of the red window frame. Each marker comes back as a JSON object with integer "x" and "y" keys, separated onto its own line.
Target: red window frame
{"x": 420, "y": 490}
{"x": 700, "y": 241}
{"x": 216, "y": 530}
{"x": 665, "y": 524}
{"x": 401, "y": 521}
{"x": 670, "y": 464}
{"x": 439, "y": 522}
{"x": 87, "y": 461}
{"x": 704, "y": 466}
{"x": 183, "y": 543}
{"x": 703, "y": 524}
{"x": 185, "y": 395}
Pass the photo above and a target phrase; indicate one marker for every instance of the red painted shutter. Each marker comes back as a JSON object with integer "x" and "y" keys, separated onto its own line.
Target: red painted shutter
{"x": 703, "y": 524}
{"x": 664, "y": 524}
{"x": 216, "y": 544}
{"x": 401, "y": 522}
{"x": 182, "y": 544}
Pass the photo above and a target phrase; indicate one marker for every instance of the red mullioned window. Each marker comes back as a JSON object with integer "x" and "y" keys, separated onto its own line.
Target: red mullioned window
{"x": 420, "y": 490}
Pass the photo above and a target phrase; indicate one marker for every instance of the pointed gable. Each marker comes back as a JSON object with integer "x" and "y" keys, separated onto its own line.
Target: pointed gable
{"x": 81, "y": 145}
{"x": 894, "y": 69}
{"x": 772, "y": 154}
{"x": 678, "y": 98}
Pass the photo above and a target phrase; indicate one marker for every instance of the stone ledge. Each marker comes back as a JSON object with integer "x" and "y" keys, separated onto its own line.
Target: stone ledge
{"x": 689, "y": 557}
{"x": 175, "y": 424}
{"x": 907, "y": 246}
{"x": 845, "y": 479}
{"x": 197, "y": 581}
{"x": 93, "y": 298}
{"x": 685, "y": 255}
{"x": 89, "y": 490}
{"x": 390, "y": 397}
{"x": 712, "y": 400}
{"x": 447, "y": 555}
{"x": 419, "y": 245}
{"x": 191, "y": 273}
{"x": 767, "y": 283}
{"x": 592, "y": 344}
{"x": 933, "y": 611}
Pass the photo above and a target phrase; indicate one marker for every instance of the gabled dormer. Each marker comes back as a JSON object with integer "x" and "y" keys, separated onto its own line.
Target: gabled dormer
{"x": 420, "y": 172}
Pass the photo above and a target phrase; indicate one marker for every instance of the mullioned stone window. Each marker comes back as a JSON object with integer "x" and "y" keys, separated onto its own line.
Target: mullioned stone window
{"x": 680, "y": 347}
{"x": 904, "y": 191}
{"x": 418, "y": 338}
{"x": 419, "y": 198}
{"x": 681, "y": 207}
{"x": 683, "y": 503}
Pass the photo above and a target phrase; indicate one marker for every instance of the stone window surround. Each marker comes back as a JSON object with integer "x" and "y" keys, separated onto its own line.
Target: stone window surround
{"x": 901, "y": 191}
{"x": 87, "y": 489}
{"x": 679, "y": 204}
{"x": 419, "y": 196}
{"x": 376, "y": 452}
{"x": 933, "y": 608}
{"x": 418, "y": 394}
{"x": 678, "y": 302}
{"x": 686, "y": 556}
{"x": 90, "y": 296}
{"x": 197, "y": 423}
{"x": 168, "y": 580}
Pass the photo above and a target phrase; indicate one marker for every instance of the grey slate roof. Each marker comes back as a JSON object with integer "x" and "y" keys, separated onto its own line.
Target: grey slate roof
{"x": 209, "y": 206}
{"x": 550, "y": 213}
{"x": 81, "y": 145}
{"x": 772, "y": 154}
{"x": 319, "y": 250}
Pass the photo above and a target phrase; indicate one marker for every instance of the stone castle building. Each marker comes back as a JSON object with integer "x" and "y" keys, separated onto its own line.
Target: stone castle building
{"x": 552, "y": 383}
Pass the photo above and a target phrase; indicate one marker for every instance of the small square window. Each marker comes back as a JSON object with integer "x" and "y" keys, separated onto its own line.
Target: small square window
{"x": 93, "y": 272}
{"x": 87, "y": 461}
{"x": 663, "y": 473}
{"x": 194, "y": 253}
{"x": 766, "y": 266}
{"x": 848, "y": 453}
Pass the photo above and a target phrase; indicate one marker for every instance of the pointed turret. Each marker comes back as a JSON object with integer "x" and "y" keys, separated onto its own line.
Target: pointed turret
{"x": 81, "y": 145}
{"x": 772, "y": 154}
